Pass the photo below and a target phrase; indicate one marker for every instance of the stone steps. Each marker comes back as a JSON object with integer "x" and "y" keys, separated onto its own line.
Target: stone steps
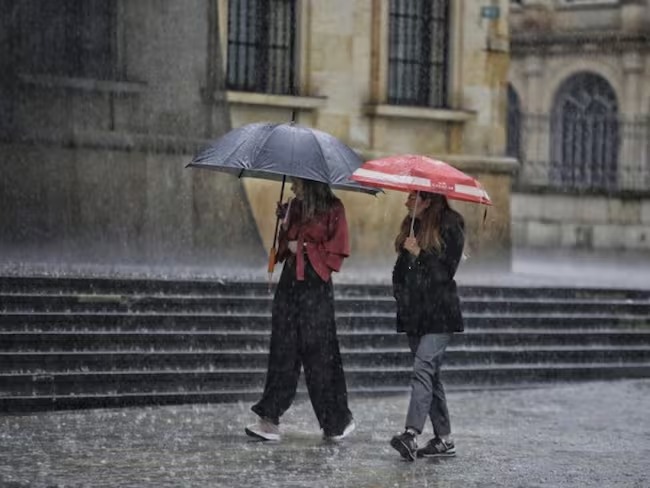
{"x": 117, "y": 286}
{"x": 261, "y": 304}
{"x": 67, "y": 343}
{"x": 111, "y": 361}
{"x": 145, "y": 387}
{"x": 89, "y": 321}
{"x": 258, "y": 339}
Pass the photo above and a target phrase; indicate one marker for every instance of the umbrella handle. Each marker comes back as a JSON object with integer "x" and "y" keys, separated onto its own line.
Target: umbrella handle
{"x": 272, "y": 254}
{"x": 411, "y": 234}
{"x": 272, "y": 251}
{"x": 277, "y": 219}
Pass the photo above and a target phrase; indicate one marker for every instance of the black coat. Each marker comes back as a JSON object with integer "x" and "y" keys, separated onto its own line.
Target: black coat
{"x": 424, "y": 287}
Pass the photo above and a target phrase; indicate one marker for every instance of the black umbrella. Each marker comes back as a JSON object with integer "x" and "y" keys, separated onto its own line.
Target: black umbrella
{"x": 274, "y": 151}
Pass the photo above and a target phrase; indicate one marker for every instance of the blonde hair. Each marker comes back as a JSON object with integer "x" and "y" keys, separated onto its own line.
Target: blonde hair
{"x": 430, "y": 221}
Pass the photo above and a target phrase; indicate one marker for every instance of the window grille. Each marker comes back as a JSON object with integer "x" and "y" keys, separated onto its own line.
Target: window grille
{"x": 261, "y": 46}
{"x": 585, "y": 134}
{"x": 418, "y": 52}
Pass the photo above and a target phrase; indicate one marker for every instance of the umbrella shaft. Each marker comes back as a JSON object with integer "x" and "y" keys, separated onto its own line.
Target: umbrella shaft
{"x": 415, "y": 209}
{"x": 277, "y": 219}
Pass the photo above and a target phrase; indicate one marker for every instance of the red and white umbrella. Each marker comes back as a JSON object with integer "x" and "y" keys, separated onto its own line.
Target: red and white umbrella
{"x": 410, "y": 172}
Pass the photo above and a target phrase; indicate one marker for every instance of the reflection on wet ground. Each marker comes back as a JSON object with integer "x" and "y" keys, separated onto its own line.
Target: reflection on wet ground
{"x": 582, "y": 435}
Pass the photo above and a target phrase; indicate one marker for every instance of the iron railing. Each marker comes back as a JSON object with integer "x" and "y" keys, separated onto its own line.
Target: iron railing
{"x": 418, "y": 52}
{"x": 581, "y": 153}
{"x": 261, "y": 46}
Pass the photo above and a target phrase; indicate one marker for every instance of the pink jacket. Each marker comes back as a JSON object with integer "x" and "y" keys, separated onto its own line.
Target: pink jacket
{"x": 325, "y": 239}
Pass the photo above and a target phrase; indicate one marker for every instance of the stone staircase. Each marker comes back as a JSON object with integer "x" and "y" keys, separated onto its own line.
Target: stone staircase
{"x": 78, "y": 343}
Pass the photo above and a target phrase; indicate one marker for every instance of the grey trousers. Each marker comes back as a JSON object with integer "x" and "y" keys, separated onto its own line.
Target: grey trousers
{"x": 427, "y": 392}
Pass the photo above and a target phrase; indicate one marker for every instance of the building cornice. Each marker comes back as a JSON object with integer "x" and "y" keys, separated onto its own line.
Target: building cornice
{"x": 117, "y": 87}
{"x": 560, "y": 42}
{"x": 105, "y": 141}
{"x": 270, "y": 100}
{"x": 427, "y": 113}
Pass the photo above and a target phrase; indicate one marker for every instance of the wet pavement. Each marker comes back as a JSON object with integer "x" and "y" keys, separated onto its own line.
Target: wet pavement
{"x": 571, "y": 435}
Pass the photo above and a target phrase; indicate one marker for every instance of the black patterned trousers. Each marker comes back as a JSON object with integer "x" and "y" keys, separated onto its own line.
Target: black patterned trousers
{"x": 304, "y": 333}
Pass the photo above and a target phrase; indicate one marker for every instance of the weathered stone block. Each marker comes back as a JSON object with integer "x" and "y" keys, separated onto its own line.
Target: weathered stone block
{"x": 519, "y": 233}
{"x": 638, "y": 237}
{"x": 336, "y": 52}
{"x": 609, "y": 236}
{"x": 579, "y": 236}
{"x": 624, "y": 211}
{"x": 591, "y": 210}
{"x": 645, "y": 212}
{"x": 336, "y": 124}
{"x": 527, "y": 206}
{"x": 544, "y": 234}
{"x": 559, "y": 208}
{"x": 568, "y": 235}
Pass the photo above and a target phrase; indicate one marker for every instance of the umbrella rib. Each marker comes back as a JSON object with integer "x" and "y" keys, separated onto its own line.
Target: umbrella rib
{"x": 320, "y": 149}
{"x": 293, "y": 145}
{"x": 254, "y": 153}
{"x": 337, "y": 149}
{"x": 350, "y": 168}
{"x": 268, "y": 136}
{"x": 232, "y": 152}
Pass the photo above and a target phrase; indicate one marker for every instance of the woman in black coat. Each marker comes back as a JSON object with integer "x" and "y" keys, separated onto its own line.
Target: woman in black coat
{"x": 428, "y": 311}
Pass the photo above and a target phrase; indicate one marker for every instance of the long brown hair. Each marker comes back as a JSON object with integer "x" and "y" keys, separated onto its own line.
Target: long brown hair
{"x": 430, "y": 220}
{"x": 317, "y": 198}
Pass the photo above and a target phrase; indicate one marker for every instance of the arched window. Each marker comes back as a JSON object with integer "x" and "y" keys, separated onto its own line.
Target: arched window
{"x": 513, "y": 136}
{"x": 585, "y": 134}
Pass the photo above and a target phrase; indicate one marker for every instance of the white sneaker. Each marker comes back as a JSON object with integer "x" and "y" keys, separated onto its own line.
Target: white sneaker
{"x": 346, "y": 432}
{"x": 263, "y": 429}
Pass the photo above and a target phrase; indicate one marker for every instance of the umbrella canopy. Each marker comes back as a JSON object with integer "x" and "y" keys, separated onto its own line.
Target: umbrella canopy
{"x": 409, "y": 172}
{"x": 275, "y": 151}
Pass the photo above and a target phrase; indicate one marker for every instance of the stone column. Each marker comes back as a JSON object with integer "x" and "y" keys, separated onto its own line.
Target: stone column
{"x": 534, "y": 137}
{"x": 633, "y": 153}
{"x": 633, "y": 15}
{"x": 632, "y": 69}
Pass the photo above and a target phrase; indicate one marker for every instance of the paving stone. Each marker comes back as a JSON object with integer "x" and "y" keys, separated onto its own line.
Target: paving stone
{"x": 568, "y": 435}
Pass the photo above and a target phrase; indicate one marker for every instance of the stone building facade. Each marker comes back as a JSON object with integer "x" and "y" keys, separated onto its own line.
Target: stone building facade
{"x": 387, "y": 77}
{"x": 104, "y": 106}
{"x": 103, "y": 103}
{"x": 579, "y": 121}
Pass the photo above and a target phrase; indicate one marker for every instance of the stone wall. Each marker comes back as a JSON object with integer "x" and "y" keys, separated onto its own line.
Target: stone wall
{"x": 93, "y": 171}
{"x": 581, "y": 222}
